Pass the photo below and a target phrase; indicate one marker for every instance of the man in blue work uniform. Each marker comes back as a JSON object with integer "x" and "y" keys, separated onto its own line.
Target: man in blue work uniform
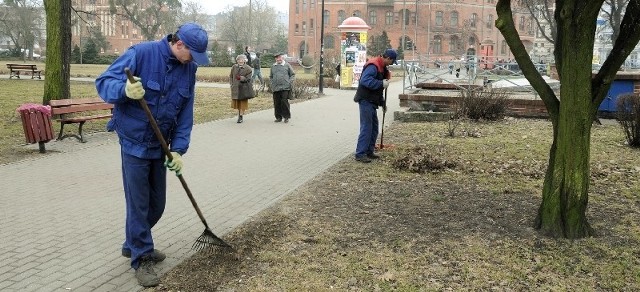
{"x": 166, "y": 74}
{"x": 369, "y": 96}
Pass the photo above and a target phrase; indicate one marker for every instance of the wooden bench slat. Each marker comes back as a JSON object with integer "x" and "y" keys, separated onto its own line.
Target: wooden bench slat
{"x": 64, "y": 107}
{"x": 72, "y": 101}
{"x": 85, "y": 118}
{"x": 80, "y": 108}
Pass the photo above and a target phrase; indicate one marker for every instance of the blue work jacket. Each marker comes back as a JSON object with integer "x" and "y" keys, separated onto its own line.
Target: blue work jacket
{"x": 169, "y": 91}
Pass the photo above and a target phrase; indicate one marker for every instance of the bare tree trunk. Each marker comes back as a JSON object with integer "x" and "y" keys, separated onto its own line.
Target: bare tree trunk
{"x": 56, "y": 82}
{"x": 562, "y": 212}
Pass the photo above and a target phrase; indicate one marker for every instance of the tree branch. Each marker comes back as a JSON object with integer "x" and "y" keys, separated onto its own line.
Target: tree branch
{"x": 508, "y": 29}
{"x": 625, "y": 43}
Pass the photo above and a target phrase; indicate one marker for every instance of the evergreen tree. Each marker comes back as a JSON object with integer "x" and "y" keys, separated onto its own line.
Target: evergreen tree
{"x": 280, "y": 44}
{"x": 219, "y": 55}
{"x": 378, "y": 44}
{"x": 400, "y": 52}
{"x": 90, "y": 53}
{"x": 75, "y": 55}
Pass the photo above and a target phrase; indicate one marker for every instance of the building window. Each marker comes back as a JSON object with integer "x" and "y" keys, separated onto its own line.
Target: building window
{"x": 472, "y": 41}
{"x": 474, "y": 19}
{"x": 326, "y": 17}
{"x": 503, "y": 48}
{"x": 490, "y": 21}
{"x": 357, "y": 13}
{"x": 373, "y": 17}
{"x": 297, "y": 6}
{"x": 439, "y": 18}
{"x": 341, "y": 16}
{"x": 437, "y": 44}
{"x": 311, "y": 24}
{"x": 297, "y": 28}
{"x": 388, "y": 18}
{"x": 454, "y": 43}
{"x": 304, "y": 27}
{"x": 521, "y": 22}
{"x": 454, "y": 18}
{"x": 405, "y": 16}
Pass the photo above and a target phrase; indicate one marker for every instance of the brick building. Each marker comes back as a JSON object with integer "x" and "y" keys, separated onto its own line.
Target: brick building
{"x": 436, "y": 29}
{"x": 118, "y": 30}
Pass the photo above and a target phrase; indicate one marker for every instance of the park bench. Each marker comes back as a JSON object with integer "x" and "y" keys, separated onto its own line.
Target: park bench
{"x": 16, "y": 69}
{"x": 78, "y": 111}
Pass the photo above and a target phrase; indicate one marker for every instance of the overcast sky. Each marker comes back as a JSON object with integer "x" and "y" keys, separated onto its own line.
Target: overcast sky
{"x": 216, "y": 6}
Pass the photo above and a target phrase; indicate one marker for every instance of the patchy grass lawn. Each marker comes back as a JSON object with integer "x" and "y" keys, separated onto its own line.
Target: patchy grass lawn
{"x": 211, "y": 104}
{"x": 464, "y": 226}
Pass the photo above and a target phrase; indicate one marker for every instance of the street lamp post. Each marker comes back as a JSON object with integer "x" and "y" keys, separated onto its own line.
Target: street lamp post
{"x": 250, "y": 25}
{"x": 321, "y": 81}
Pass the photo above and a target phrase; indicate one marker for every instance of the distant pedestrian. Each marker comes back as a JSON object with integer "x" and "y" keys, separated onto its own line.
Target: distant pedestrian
{"x": 282, "y": 77}
{"x": 240, "y": 81}
{"x": 337, "y": 80}
{"x": 369, "y": 96}
{"x": 166, "y": 73}
{"x": 257, "y": 73}
{"x": 248, "y": 55}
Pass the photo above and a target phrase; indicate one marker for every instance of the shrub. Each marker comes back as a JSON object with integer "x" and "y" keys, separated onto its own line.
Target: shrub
{"x": 628, "y": 115}
{"x": 483, "y": 104}
{"x": 307, "y": 61}
{"x": 304, "y": 89}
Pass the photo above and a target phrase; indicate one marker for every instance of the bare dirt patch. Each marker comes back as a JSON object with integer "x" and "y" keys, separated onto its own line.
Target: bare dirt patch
{"x": 463, "y": 224}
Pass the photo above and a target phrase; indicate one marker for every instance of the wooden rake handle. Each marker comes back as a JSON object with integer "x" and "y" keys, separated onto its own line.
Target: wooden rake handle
{"x": 165, "y": 148}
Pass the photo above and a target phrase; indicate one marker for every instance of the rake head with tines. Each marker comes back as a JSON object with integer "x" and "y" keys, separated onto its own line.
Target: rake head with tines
{"x": 208, "y": 241}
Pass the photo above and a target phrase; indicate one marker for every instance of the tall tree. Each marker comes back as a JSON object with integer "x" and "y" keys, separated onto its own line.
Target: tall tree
{"x": 566, "y": 186}
{"x": 262, "y": 27}
{"x": 192, "y": 11}
{"x": 20, "y": 21}
{"x": 56, "y": 85}
{"x": 152, "y": 19}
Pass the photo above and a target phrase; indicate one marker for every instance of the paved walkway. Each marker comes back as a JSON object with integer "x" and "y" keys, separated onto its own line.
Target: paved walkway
{"x": 62, "y": 214}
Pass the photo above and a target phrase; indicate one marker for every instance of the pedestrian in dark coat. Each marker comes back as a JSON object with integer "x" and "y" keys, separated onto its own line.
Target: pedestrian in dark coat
{"x": 240, "y": 75}
{"x": 282, "y": 77}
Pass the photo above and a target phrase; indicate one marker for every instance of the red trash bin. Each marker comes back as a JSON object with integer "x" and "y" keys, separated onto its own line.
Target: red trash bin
{"x": 36, "y": 122}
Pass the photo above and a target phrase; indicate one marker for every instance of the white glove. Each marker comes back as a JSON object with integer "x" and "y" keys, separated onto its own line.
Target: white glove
{"x": 175, "y": 164}
{"x": 385, "y": 83}
{"x": 134, "y": 90}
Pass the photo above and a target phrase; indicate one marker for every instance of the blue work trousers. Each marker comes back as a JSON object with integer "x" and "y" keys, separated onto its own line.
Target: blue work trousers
{"x": 368, "y": 128}
{"x": 145, "y": 191}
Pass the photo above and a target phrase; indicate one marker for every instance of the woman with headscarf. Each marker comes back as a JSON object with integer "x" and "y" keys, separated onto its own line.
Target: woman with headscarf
{"x": 239, "y": 76}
